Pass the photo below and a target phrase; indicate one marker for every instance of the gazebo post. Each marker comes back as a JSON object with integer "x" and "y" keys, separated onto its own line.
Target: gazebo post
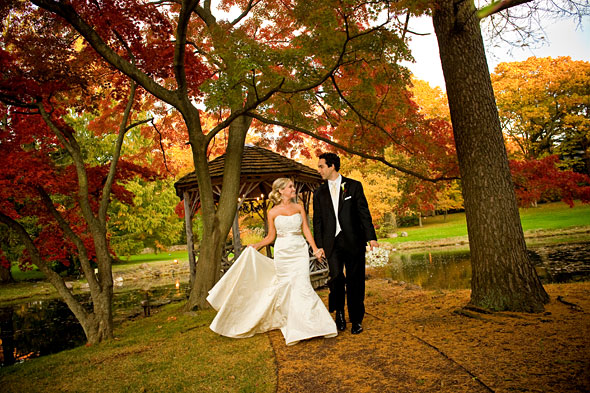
{"x": 188, "y": 222}
{"x": 236, "y": 235}
{"x": 260, "y": 167}
{"x": 265, "y": 220}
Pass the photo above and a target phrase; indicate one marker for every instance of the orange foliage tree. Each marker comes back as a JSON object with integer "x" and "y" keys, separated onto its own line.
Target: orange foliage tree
{"x": 544, "y": 105}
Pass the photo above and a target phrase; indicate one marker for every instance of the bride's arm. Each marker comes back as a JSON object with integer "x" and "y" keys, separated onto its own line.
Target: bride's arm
{"x": 270, "y": 237}
{"x": 308, "y": 236}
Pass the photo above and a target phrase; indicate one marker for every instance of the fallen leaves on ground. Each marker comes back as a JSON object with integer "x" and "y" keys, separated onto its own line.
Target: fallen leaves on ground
{"x": 425, "y": 341}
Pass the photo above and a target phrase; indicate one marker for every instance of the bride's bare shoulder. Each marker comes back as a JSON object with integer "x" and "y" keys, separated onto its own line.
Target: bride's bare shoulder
{"x": 273, "y": 212}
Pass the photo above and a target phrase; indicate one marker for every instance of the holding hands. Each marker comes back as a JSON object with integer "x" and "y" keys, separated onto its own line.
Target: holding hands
{"x": 319, "y": 253}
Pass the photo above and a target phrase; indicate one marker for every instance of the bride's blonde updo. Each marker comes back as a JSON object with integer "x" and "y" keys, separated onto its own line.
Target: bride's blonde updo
{"x": 277, "y": 186}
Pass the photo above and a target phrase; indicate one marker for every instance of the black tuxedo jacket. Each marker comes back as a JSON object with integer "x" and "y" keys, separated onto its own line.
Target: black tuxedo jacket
{"x": 353, "y": 214}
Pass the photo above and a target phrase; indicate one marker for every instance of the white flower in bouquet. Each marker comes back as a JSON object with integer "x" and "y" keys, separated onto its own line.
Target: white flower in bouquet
{"x": 377, "y": 257}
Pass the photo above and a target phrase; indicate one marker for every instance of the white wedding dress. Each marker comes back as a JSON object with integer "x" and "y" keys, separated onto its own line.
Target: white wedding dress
{"x": 258, "y": 294}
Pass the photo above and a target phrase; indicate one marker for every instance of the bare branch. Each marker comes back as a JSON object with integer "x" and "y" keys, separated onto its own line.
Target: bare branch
{"x": 251, "y": 4}
{"x": 108, "y": 185}
{"x": 348, "y": 149}
{"x": 82, "y": 252}
{"x": 498, "y": 6}
{"x": 161, "y": 146}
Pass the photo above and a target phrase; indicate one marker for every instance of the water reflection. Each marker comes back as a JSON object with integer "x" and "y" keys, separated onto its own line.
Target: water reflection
{"x": 35, "y": 329}
{"x": 39, "y": 328}
{"x": 452, "y": 270}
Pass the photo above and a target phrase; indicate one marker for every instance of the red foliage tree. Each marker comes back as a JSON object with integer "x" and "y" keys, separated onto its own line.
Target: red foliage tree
{"x": 46, "y": 174}
{"x": 536, "y": 180}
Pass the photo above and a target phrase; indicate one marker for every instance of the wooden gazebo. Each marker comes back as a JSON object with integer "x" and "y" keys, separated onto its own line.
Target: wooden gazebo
{"x": 260, "y": 167}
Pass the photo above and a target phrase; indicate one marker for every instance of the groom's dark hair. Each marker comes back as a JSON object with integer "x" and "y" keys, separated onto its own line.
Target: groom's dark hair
{"x": 331, "y": 159}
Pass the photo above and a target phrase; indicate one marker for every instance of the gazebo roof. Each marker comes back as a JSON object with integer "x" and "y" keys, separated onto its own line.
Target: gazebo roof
{"x": 258, "y": 166}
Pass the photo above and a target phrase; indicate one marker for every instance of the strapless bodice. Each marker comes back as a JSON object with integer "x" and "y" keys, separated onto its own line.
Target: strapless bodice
{"x": 288, "y": 225}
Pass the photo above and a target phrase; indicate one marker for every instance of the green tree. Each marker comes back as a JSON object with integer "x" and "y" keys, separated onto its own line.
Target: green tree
{"x": 149, "y": 221}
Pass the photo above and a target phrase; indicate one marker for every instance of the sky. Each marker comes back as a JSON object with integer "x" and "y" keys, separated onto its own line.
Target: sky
{"x": 564, "y": 38}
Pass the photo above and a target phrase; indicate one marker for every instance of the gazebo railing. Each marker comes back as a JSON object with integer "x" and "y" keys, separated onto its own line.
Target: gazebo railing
{"x": 318, "y": 271}
{"x": 318, "y": 268}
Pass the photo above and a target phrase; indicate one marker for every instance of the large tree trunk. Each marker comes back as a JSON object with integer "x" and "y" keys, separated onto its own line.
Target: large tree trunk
{"x": 217, "y": 221}
{"x": 5, "y": 275}
{"x": 97, "y": 325}
{"x": 503, "y": 277}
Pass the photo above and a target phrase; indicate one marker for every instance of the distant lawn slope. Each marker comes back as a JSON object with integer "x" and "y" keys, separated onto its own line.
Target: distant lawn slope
{"x": 548, "y": 216}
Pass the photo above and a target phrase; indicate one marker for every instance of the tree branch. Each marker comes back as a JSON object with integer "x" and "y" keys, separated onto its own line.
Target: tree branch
{"x": 138, "y": 123}
{"x": 186, "y": 10}
{"x": 161, "y": 147}
{"x": 67, "y": 12}
{"x": 205, "y": 13}
{"x": 240, "y": 112}
{"x": 348, "y": 149}
{"x": 498, "y": 6}
{"x": 364, "y": 118}
{"x": 74, "y": 150}
{"x": 82, "y": 252}
{"x": 108, "y": 185}
{"x": 52, "y": 276}
{"x": 251, "y": 4}
{"x": 339, "y": 62}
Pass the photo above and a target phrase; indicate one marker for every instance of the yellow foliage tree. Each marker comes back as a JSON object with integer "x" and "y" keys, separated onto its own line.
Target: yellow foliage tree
{"x": 432, "y": 101}
{"x": 380, "y": 186}
{"x": 544, "y": 105}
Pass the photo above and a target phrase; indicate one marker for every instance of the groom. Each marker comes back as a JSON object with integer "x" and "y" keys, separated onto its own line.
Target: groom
{"x": 342, "y": 227}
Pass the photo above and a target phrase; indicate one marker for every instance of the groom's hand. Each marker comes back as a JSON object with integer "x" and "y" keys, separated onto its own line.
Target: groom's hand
{"x": 373, "y": 244}
{"x": 320, "y": 254}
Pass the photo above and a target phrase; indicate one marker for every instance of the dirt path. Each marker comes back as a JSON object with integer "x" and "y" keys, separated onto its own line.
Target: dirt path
{"x": 421, "y": 341}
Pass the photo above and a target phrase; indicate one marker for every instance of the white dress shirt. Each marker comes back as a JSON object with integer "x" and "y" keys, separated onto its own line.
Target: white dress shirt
{"x": 334, "y": 186}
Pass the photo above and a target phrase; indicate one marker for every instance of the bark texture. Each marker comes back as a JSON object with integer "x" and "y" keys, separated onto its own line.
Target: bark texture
{"x": 503, "y": 277}
{"x": 5, "y": 275}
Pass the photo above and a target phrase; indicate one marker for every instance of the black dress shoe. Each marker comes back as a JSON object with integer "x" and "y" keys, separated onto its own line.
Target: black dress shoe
{"x": 340, "y": 321}
{"x": 356, "y": 328}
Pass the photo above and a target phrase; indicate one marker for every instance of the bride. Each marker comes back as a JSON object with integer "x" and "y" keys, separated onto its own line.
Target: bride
{"x": 258, "y": 294}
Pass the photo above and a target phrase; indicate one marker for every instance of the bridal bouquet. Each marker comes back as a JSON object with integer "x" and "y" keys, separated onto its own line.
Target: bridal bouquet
{"x": 377, "y": 257}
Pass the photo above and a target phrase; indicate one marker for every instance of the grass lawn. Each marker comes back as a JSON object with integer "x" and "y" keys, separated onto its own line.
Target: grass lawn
{"x": 124, "y": 264}
{"x": 136, "y": 260}
{"x": 162, "y": 256}
{"x": 548, "y": 216}
{"x": 170, "y": 351}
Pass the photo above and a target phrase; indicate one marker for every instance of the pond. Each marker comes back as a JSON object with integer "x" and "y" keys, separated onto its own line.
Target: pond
{"x": 38, "y": 328}
{"x": 452, "y": 270}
